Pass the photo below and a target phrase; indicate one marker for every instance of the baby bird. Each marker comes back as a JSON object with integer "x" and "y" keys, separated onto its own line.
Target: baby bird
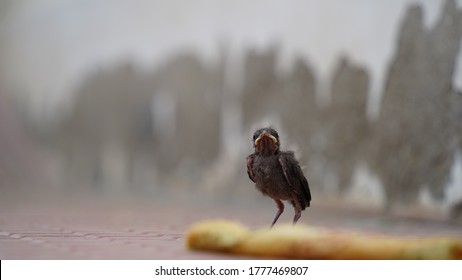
{"x": 277, "y": 173}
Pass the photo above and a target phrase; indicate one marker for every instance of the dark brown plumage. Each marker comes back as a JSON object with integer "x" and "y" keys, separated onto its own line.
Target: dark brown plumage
{"x": 277, "y": 174}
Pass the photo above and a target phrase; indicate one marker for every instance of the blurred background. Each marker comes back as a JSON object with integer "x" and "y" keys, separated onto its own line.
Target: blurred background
{"x": 159, "y": 99}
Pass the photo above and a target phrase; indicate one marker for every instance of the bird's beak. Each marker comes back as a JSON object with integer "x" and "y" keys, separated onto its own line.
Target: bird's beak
{"x": 266, "y": 134}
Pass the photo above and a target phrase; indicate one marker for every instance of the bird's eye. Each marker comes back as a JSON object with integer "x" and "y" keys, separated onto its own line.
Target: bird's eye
{"x": 274, "y": 133}
{"x": 256, "y": 134}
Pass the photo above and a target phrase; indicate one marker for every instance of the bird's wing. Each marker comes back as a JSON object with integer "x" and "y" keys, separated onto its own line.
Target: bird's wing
{"x": 295, "y": 177}
{"x": 250, "y": 160}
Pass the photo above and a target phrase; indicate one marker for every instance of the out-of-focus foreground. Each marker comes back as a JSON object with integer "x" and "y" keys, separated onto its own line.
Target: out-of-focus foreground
{"x": 180, "y": 124}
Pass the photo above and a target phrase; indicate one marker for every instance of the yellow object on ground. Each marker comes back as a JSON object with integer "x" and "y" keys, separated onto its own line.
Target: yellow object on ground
{"x": 303, "y": 242}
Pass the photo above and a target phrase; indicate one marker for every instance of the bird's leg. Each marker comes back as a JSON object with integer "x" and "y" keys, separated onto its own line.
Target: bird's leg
{"x": 298, "y": 214}
{"x": 280, "y": 206}
{"x": 298, "y": 210}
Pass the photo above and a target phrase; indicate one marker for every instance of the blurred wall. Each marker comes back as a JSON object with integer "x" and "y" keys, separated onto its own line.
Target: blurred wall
{"x": 187, "y": 122}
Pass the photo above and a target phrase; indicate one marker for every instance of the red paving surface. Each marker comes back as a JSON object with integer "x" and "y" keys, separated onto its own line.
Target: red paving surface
{"x": 140, "y": 229}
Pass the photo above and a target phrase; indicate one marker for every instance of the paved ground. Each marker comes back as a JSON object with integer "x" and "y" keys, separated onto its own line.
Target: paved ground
{"x": 94, "y": 228}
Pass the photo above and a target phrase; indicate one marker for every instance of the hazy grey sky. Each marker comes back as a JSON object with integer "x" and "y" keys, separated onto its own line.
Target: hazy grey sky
{"x": 49, "y": 45}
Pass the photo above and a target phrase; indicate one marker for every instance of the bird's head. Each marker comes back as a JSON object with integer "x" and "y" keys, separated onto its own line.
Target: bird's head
{"x": 266, "y": 141}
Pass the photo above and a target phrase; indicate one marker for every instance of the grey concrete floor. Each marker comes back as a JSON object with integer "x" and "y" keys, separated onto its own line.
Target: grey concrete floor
{"x": 95, "y": 227}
